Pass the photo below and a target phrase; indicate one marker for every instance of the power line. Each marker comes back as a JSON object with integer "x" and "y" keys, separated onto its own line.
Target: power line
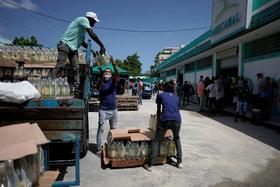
{"x": 110, "y": 28}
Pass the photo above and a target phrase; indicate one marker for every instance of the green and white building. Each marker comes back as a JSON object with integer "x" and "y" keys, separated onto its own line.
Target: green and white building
{"x": 244, "y": 39}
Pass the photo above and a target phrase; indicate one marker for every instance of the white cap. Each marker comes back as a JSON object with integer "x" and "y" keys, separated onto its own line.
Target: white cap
{"x": 92, "y": 15}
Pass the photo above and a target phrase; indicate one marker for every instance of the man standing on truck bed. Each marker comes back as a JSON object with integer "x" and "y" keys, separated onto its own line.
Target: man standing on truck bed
{"x": 108, "y": 105}
{"x": 72, "y": 39}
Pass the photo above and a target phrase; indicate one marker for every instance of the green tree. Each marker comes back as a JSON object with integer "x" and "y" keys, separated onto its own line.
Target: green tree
{"x": 119, "y": 63}
{"x": 32, "y": 41}
{"x": 16, "y": 40}
{"x": 133, "y": 65}
{"x": 21, "y": 40}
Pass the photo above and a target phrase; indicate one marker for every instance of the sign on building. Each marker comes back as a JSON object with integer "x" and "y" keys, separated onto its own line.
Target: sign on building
{"x": 230, "y": 17}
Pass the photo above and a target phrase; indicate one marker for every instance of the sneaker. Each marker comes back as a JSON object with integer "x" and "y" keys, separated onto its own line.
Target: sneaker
{"x": 148, "y": 167}
{"x": 179, "y": 165}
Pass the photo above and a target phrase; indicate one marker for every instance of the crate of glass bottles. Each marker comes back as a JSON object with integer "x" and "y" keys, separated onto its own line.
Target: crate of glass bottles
{"x": 132, "y": 147}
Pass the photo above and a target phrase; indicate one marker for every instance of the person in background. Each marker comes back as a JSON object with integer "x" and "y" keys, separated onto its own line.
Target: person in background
{"x": 161, "y": 85}
{"x": 206, "y": 83}
{"x": 256, "y": 111}
{"x": 72, "y": 39}
{"x": 168, "y": 118}
{"x": 186, "y": 91}
{"x": 139, "y": 90}
{"x": 108, "y": 106}
{"x": 219, "y": 94}
{"x": 242, "y": 99}
{"x": 211, "y": 97}
{"x": 201, "y": 93}
{"x": 266, "y": 98}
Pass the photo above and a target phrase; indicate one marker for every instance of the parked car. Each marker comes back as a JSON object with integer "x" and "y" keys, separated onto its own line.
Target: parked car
{"x": 147, "y": 90}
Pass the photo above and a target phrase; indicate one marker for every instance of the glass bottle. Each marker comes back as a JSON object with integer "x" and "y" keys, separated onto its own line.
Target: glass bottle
{"x": 20, "y": 71}
{"x": 171, "y": 148}
{"x": 11, "y": 174}
{"x": 137, "y": 150}
{"x": 113, "y": 150}
{"x": 16, "y": 71}
{"x": 4, "y": 52}
{"x": 14, "y": 53}
{"x": 25, "y": 53}
{"x": 42, "y": 84}
{"x": 143, "y": 150}
{"x": 47, "y": 87}
{"x": 163, "y": 148}
{"x": 52, "y": 88}
{"x": 121, "y": 150}
{"x": 33, "y": 55}
{"x": 21, "y": 170}
{"x": 4, "y": 182}
{"x": 39, "y": 55}
{"x": 128, "y": 150}
{"x": 65, "y": 87}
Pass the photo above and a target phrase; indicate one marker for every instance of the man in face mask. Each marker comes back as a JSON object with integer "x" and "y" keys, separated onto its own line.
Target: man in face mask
{"x": 108, "y": 107}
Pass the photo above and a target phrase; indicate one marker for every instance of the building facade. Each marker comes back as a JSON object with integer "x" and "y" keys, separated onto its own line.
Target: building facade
{"x": 165, "y": 54}
{"x": 244, "y": 40}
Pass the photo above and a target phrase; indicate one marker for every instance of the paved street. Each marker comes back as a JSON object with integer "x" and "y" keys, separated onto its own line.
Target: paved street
{"x": 216, "y": 152}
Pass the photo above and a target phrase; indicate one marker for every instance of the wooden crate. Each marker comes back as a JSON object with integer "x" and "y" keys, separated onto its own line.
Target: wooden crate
{"x": 127, "y": 103}
{"x": 125, "y": 163}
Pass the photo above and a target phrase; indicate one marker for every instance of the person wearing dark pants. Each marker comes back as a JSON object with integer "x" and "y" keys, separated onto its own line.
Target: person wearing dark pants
{"x": 168, "y": 118}
{"x": 72, "y": 39}
{"x": 108, "y": 104}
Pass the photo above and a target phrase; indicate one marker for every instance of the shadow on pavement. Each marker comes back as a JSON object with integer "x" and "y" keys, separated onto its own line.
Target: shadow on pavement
{"x": 261, "y": 132}
{"x": 269, "y": 176}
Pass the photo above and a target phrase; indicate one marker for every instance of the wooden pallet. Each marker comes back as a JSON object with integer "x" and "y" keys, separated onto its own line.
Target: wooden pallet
{"x": 127, "y": 103}
{"x": 127, "y": 108}
{"x": 94, "y": 105}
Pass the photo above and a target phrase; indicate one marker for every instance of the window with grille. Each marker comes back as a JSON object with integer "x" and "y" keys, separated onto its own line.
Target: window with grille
{"x": 190, "y": 67}
{"x": 264, "y": 46}
{"x": 204, "y": 63}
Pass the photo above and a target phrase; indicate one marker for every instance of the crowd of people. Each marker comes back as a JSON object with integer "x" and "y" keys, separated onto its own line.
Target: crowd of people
{"x": 239, "y": 93}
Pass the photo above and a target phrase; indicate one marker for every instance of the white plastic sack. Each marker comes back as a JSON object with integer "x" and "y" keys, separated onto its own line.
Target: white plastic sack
{"x": 18, "y": 92}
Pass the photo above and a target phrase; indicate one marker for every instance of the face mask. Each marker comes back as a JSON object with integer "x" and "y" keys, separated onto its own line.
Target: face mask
{"x": 107, "y": 77}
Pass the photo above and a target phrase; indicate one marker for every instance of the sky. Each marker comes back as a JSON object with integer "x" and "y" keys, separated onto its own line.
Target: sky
{"x": 138, "y": 15}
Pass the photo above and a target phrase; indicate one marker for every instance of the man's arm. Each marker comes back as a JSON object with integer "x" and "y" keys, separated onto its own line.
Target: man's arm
{"x": 158, "y": 110}
{"x": 96, "y": 39}
{"x": 158, "y": 102}
{"x": 85, "y": 45}
{"x": 101, "y": 80}
{"x": 116, "y": 76}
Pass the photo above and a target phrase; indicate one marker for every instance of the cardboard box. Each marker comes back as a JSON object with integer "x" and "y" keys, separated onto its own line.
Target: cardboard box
{"x": 22, "y": 140}
{"x": 48, "y": 178}
{"x": 134, "y": 134}
{"x": 19, "y": 140}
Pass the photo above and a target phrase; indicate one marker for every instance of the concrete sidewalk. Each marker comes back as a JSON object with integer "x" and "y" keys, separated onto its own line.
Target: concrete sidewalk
{"x": 216, "y": 152}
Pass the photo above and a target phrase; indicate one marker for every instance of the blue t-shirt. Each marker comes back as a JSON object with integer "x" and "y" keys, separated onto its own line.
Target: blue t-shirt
{"x": 75, "y": 33}
{"x": 170, "y": 106}
{"x": 108, "y": 95}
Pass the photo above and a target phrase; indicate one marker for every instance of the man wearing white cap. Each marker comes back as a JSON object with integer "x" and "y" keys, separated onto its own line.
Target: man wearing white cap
{"x": 72, "y": 39}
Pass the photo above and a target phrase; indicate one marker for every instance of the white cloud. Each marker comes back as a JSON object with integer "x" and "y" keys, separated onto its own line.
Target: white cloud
{"x": 28, "y": 4}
